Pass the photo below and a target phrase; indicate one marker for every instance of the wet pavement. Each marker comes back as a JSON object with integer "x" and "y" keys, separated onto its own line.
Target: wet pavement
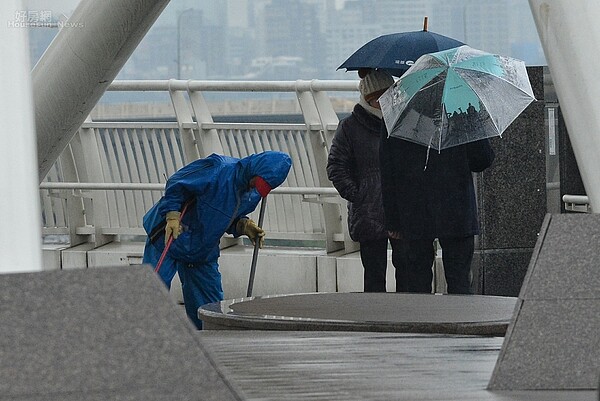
{"x": 364, "y": 346}
{"x": 280, "y": 365}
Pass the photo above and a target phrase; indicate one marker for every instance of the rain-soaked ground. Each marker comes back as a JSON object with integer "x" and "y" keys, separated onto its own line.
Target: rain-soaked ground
{"x": 281, "y": 365}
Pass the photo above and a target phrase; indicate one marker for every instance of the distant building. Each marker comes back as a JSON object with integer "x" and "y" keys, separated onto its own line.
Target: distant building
{"x": 300, "y": 36}
{"x": 155, "y": 56}
{"x": 347, "y": 30}
{"x": 202, "y": 47}
{"x": 306, "y": 39}
{"x": 503, "y": 27}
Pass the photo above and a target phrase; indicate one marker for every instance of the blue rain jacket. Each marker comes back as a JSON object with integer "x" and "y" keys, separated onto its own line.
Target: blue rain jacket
{"x": 218, "y": 186}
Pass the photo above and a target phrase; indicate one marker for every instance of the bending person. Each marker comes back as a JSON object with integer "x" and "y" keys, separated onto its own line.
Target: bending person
{"x": 202, "y": 201}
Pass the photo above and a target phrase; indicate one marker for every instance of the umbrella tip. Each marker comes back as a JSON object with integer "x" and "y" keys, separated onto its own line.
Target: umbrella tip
{"x": 425, "y": 24}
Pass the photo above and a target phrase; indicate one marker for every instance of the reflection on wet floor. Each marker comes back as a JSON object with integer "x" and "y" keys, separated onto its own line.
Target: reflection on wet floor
{"x": 277, "y": 365}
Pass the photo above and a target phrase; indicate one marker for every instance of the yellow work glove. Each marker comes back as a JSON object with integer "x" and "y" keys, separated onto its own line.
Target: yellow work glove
{"x": 173, "y": 226}
{"x": 252, "y": 230}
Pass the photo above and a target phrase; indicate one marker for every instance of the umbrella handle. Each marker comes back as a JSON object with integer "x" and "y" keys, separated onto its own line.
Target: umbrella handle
{"x": 261, "y": 217}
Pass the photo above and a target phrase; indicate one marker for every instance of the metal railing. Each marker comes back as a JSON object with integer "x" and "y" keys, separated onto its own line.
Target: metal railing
{"x": 113, "y": 172}
{"x": 577, "y": 203}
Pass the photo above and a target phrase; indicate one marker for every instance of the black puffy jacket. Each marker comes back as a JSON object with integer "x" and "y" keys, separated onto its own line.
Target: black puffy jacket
{"x": 353, "y": 168}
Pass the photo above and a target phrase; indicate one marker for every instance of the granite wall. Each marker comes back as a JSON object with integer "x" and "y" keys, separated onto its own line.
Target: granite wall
{"x": 570, "y": 178}
{"x": 552, "y": 340}
{"x": 562, "y": 172}
{"x": 534, "y": 167}
{"x": 512, "y": 200}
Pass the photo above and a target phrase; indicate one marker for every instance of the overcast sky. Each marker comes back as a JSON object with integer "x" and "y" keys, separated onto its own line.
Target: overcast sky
{"x": 56, "y": 6}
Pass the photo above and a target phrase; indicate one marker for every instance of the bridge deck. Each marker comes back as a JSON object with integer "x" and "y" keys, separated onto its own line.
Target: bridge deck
{"x": 275, "y": 365}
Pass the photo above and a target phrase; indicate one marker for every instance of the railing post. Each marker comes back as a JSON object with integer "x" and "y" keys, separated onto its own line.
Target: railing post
{"x": 74, "y": 204}
{"x": 207, "y": 140}
{"x": 331, "y": 211}
{"x": 186, "y": 124}
{"x": 330, "y": 120}
{"x": 90, "y": 170}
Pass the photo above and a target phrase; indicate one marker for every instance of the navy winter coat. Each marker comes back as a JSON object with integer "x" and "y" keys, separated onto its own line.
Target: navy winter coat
{"x": 436, "y": 202}
{"x": 353, "y": 168}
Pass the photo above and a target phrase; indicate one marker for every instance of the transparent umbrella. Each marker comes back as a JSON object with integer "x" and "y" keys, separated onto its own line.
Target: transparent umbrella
{"x": 456, "y": 96}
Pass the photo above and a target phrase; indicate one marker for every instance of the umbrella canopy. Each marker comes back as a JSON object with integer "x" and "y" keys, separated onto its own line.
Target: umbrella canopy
{"x": 396, "y": 52}
{"x": 456, "y": 96}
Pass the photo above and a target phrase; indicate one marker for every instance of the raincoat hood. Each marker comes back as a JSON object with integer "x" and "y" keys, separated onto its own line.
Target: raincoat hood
{"x": 271, "y": 166}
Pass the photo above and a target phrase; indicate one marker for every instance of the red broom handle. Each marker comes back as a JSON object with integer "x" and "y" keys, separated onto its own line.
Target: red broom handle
{"x": 169, "y": 242}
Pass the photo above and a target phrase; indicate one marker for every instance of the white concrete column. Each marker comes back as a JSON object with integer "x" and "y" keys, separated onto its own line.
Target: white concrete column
{"x": 570, "y": 35}
{"x": 80, "y": 63}
{"x": 20, "y": 234}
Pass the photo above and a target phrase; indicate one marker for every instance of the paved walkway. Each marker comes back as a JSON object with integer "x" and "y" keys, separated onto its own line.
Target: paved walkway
{"x": 346, "y": 366}
{"x": 338, "y": 346}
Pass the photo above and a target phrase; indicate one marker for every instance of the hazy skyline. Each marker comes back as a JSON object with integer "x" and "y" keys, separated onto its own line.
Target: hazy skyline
{"x": 238, "y": 31}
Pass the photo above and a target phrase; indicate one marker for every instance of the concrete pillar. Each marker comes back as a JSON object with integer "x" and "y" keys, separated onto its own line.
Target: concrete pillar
{"x": 80, "y": 64}
{"x": 20, "y": 236}
{"x": 570, "y": 36}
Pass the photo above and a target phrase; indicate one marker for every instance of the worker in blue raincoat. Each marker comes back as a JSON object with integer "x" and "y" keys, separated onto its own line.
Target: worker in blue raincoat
{"x": 202, "y": 201}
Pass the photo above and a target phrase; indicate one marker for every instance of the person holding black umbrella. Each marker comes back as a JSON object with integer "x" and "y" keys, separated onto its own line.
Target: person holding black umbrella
{"x": 353, "y": 168}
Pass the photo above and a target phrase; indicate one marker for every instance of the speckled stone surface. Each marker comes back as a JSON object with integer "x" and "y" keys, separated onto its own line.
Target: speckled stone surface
{"x": 554, "y": 345}
{"x": 512, "y": 198}
{"x": 553, "y": 342}
{"x": 513, "y": 189}
{"x": 568, "y": 265}
{"x": 504, "y": 270}
{"x": 100, "y": 334}
{"x": 536, "y": 78}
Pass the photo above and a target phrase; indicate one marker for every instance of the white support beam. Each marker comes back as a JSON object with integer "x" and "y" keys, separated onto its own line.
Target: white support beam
{"x": 80, "y": 63}
{"x": 570, "y": 36}
{"x": 20, "y": 237}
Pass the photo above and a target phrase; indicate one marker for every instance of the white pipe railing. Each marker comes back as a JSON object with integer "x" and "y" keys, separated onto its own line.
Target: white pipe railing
{"x": 141, "y": 155}
{"x": 103, "y": 186}
{"x": 577, "y": 203}
{"x": 234, "y": 86}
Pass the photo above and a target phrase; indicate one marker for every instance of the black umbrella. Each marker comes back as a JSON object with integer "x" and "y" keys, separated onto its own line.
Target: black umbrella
{"x": 396, "y": 52}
